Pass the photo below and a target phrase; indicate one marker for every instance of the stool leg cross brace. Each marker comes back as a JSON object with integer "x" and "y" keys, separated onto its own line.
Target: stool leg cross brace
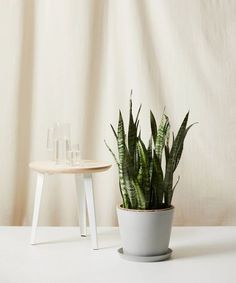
{"x": 85, "y": 195}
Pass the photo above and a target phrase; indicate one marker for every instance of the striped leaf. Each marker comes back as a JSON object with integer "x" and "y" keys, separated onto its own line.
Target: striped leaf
{"x": 137, "y": 115}
{"x": 130, "y": 189}
{"x": 153, "y": 127}
{"x": 180, "y": 149}
{"x": 132, "y": 135}
{"x": 114, "y": 132}
{"x": 121, "y": 152}
{"x": 162, "y": 132}
{"x": 157, "y": 181}
{"x": 121, "y": 139}
{"x": 113, "y": 154}
{"x": 143, "y": 176}
{"x": 150, "y": 157}
{"x": 141, "y": 199}
{"x": 143, "y": 184}
{"x": 172, "y": 161}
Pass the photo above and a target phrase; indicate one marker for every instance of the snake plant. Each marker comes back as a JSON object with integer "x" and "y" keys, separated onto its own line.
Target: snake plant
{"x": 145, "y": 179}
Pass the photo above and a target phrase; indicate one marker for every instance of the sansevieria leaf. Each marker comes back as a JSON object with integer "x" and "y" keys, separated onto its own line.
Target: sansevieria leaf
{"x": 175, "y": 153}
{"x": 143, "y": 183}
{"x": 153, "y": 127}
{"x": 132, "y": 135}
{"x": 122, "y": 162}
{"x": 162, "y": 132}
{"x": 143, "y": 176}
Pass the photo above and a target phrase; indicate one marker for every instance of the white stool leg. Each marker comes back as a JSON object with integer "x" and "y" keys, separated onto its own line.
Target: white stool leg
{"x": 37, "y": 200}
{"x": 82, "y": 205}
{"x": 88, "y": 186}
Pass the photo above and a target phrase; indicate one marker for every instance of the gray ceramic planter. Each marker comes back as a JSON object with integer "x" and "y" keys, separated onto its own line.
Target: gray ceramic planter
{"x": 145, "y": 232}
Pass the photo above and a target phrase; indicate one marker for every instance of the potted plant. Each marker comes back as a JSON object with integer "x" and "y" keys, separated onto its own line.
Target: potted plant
{"x": 146, "y": 180}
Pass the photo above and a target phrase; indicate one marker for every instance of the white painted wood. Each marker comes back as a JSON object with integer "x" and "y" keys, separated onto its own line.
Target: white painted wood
{"x": 81, "y": 203}
{"x": 37, "y": 201}
{"x": 85, "y": 167}
{"x": 88, "y": 186}
{"x": 200, "y": 254}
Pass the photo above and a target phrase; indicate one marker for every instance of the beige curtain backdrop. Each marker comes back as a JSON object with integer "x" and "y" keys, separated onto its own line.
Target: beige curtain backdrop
{"x": 76, "y": 61}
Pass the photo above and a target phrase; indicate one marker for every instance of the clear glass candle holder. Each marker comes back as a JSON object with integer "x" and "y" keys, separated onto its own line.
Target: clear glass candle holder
{"x": 74, "y": 155}
{"x": 59, "y": 143}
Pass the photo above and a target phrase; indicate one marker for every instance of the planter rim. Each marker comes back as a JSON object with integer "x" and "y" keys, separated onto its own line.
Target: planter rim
{"x": 144, "y": 210}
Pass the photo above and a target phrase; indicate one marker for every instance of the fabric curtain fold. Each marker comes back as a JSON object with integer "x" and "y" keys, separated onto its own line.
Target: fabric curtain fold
{"x": 77, "y": 61}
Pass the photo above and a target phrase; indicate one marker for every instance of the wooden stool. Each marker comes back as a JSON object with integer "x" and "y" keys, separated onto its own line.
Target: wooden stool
{"x": 84, "y": 192}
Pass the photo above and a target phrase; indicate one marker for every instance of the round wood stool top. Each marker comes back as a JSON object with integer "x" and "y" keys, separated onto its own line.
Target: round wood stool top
{"x": 84, "y": 167}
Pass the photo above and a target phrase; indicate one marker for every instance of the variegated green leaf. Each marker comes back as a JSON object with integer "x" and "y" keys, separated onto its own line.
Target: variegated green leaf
{"x": 157, "y": 182}
{"x": 170, "y": 167}
{"x": 181, "y": 146}
{"x": 132, "y": 136}
{"x": 143, "y": 176}
{"x": 113, "y": 154}
{"x": 114, "y": 132}
{"x": 161, "y": 136}
{"x": 143, "y": 184}
{"x": 150, "y": 157}
{"x": 153, "y": 127}
{"x": 131, "y": 191}
{"x": 122, "y": 161}
{"x": 137, "y": 115}
{"x": 141, "y": 199}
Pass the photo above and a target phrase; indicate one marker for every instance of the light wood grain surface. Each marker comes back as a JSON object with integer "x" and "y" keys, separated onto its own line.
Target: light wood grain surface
{"x": 84, "y": 167}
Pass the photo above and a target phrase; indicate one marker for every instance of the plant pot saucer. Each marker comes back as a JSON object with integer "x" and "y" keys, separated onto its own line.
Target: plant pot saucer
{"x": 145, "y": 258}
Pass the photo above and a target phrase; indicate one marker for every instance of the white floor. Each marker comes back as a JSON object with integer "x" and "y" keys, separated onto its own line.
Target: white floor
{"x": 200, "y": 254}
